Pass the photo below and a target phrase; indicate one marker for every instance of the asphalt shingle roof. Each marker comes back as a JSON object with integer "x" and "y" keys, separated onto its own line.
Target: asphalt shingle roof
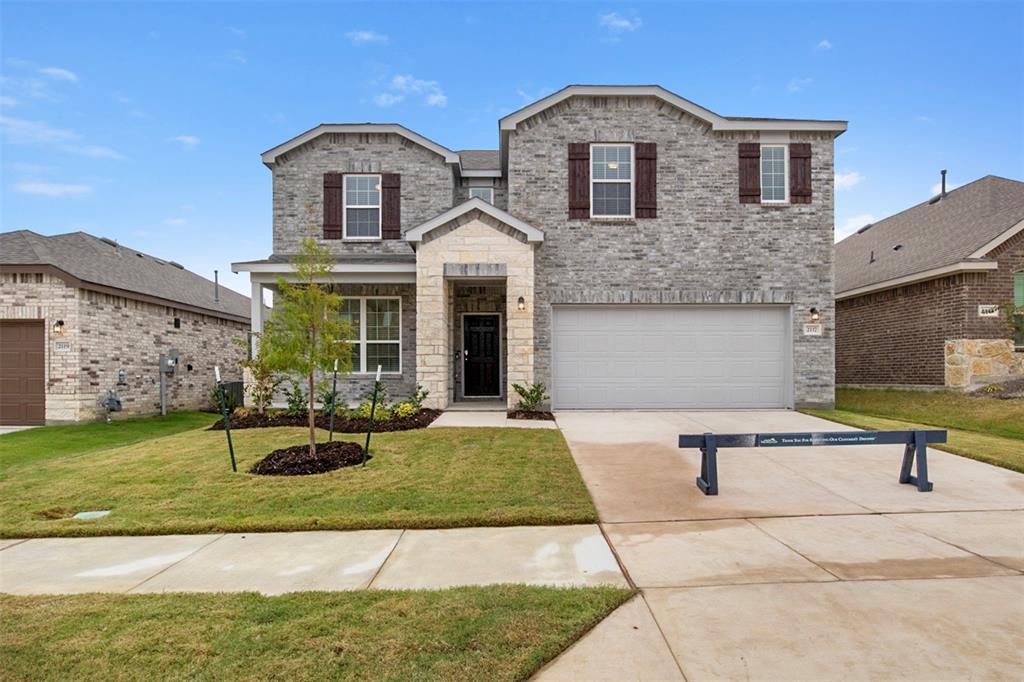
{"x": 96, "y": 261}
{"x": 930, "y": 235}
{"x": 480, "y": 159}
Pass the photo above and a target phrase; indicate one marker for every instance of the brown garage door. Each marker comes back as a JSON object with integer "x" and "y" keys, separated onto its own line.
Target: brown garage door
{"x": 22, "y": 375}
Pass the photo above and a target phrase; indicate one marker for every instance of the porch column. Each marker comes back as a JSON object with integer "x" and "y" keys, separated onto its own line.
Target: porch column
{"x": 256, "y": 314}
{"x": 432, "y": 330}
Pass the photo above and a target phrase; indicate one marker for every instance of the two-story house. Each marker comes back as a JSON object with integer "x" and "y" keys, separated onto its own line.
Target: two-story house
{"x": 623, "y": 246}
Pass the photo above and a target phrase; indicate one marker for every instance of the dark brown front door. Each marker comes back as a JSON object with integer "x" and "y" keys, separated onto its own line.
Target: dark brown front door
{"x": 481, "y": 339}
{"x": 22, "y": 375}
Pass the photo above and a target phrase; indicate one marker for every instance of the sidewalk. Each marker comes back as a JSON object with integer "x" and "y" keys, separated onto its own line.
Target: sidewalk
{"x": 274, "y": 563}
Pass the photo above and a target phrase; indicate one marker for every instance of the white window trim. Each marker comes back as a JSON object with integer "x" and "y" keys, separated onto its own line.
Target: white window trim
{"x": 345, "y": 206}
{"x": 632, "y": 180}
{"x": 785, "y": 174}
{"x": 489, "y": 190}
{"x": 362, "y": 341}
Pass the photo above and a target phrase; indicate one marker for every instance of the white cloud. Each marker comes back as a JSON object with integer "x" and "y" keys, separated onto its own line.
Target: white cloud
{"x": 20, "y": 131}
{"x": 434, "y": 95}
{"x": 52, "y": 189}
{"x": 852, "y": 224}
{"x": 848, "y": 180}
{"x": 366, "y": 38}
{"x": 615, "y": 23}
{"x": 237, "y": 56}
{"x": 175, "y": 221}
{"x": 798, "y": 84}
{"x": 937, "y": 187}
{"x": 237, "y": 32}
{"x": 824, "y": 45}
{"x": 95, "y": 151}
{"x": 190, "y": 141}
{"x": 924, "y": 119}
{"x": 387, "y": 99}
{"x": 8, "y": 102}
{"x": 59, "y": 74}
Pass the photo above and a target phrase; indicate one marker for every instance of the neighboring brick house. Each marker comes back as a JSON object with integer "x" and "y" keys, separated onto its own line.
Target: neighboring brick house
{"x": 922, "y": 297}
{"x": 81, "y": 315}
{"x": 623, "y": 246}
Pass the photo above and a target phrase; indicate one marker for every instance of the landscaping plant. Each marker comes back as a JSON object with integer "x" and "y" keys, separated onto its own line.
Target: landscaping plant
{"x": 307, "y": 332}
{"x": 295, "y": 400}
{"x": 263, "y": 379}
{"x": 530, "y": 396}
{"x": 229, "y": 399}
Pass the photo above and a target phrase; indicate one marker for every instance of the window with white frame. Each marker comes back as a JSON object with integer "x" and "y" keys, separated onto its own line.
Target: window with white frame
{"x": 611, "y": 181}
{"x": 377, "y": 333}
{"x": 485, "y": 193}
{"x": 362, "y": 207}
{"x": 773, "y": 173}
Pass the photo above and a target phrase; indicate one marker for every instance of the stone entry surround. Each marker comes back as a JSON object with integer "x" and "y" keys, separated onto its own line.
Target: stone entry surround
{"x": 974, "y": 362}
{"x": 471, "y": 249}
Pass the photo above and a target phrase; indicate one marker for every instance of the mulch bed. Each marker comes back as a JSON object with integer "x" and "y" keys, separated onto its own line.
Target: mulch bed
{"x": 342, "y": 424}
{"x": 1005, "y": 390}
{"x": 523, "y": 414}
{"x": 295, "y": 461}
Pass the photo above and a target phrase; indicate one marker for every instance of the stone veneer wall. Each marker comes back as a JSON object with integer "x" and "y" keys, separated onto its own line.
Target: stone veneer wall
{"x": 976, "y": 362}
{"x": 428, "y": 187}
{"x": 704, "y": 246}
{"x": 107, "y": 333}
{"x": 471, "y": 238}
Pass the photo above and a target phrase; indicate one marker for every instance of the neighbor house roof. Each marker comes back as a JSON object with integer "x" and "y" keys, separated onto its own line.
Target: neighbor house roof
{"x": 933, "y": 239}
{"x": 717, "y": 121}
{"x": 91, "y": 262}
{"x": 269, "y": 157}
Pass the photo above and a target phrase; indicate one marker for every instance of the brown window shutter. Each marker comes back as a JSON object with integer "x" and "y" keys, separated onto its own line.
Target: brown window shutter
{"x": 750, "y": 173}
{"x": 646, "y": 154}
{"x": 391, "y": 206}
{"x": 333, "y": 204}
{"x": 800, "y": 173}
{"x": 579, "y": 180}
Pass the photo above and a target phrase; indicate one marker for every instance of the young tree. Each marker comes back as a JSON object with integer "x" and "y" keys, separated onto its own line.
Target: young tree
{"x": 306, "y": 331}
{"x": 262, "y": 377}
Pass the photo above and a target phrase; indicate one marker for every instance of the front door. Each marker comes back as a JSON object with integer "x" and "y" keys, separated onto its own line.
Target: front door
{"x": 481, "y": 344}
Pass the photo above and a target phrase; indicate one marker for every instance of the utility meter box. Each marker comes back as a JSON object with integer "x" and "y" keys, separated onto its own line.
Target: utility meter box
{"x": 169, "y": 361}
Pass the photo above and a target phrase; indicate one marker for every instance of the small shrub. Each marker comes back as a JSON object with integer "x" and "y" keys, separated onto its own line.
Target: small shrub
{"x": 243, "y": 412}
{"x": 381, "y": 413}
{"x": 530, "y": 396}
{"x": 327, "y": 398}
{"x": 417, "y": 398}
{"x": 229, "y": 399}
{"x": 406, "y": 409}
{"x": 298, "y": 406}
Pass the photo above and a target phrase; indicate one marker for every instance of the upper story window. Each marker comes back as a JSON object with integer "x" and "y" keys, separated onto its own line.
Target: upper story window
{"x": 362, "y": 207}
{"x": 485, "y": 193}
{"x": 611, "y": 181}
{"x": 773, "y": 173}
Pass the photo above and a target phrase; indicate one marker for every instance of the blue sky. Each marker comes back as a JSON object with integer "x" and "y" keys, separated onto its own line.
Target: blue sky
{"x": 144, "y": 122}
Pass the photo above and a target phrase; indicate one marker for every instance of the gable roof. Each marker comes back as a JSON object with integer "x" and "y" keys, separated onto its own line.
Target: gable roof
{"x": 717, "y": 122}
{"x": 935, "y": 238}
{"x": 94, "y": 261}
{"x": 416, "y": 234}
{"x": 269, "y": 157}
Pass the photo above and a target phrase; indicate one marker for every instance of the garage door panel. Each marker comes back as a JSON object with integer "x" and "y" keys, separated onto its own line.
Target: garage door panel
{"x": 670, "y": 356}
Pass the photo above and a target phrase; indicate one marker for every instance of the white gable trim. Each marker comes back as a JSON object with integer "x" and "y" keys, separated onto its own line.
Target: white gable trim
{"x": 269, "y": 157}
{"x": 934, "y": 273}
{"x": 717, "y": 122}
{"x": 1001, "y": 239}
{"x": 416, "y": 234}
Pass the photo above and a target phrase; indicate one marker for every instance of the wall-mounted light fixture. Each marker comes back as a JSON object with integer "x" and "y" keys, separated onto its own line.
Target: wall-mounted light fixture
{"x": 815, "y": 315}
{"x": 58, "y": 327}
{"x": 521, "y": 304}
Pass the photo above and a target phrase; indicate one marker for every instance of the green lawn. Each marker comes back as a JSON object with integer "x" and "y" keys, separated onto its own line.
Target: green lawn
{"x": 428, "y": 478}
{"x": 45, "y": 442}
{"x": 470, "y": 633}
{"x": 986, "y": 429}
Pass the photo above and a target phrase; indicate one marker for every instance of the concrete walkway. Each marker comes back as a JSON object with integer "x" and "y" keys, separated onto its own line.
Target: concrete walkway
{"x": 274, "y": 563}
{"x": 811, "y": 563}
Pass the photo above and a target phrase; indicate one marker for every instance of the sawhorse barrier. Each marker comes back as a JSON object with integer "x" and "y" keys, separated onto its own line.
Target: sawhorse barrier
{"x": 915, "y": 442}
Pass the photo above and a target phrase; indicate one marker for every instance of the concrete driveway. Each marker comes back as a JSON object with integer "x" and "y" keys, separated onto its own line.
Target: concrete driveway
{"x": 811, "y": 563}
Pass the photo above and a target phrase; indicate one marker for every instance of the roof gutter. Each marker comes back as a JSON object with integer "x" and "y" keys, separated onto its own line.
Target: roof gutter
{"x": 924, "y": 275}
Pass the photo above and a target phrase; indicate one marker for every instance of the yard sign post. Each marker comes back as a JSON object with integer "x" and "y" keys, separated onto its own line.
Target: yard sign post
{"x": 334, "y": 398}
{"x": 224, "y": 411}
{"x": 373, "y": 408}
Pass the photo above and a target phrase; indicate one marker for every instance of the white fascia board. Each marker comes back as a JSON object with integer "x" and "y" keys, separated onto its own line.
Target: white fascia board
{"x": 285, "y": 268}
{"x": 1001, "y": 239}
{"x": 416, "y": 234}
{"x": 269, "y": 157}
{"x": 934, "y": 273}
{"x": 717, "y": 122}
{"x": 270, "y": 279}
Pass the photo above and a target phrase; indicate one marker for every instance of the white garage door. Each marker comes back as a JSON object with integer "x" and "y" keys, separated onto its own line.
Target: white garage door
{"x": 670, "y": 357}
